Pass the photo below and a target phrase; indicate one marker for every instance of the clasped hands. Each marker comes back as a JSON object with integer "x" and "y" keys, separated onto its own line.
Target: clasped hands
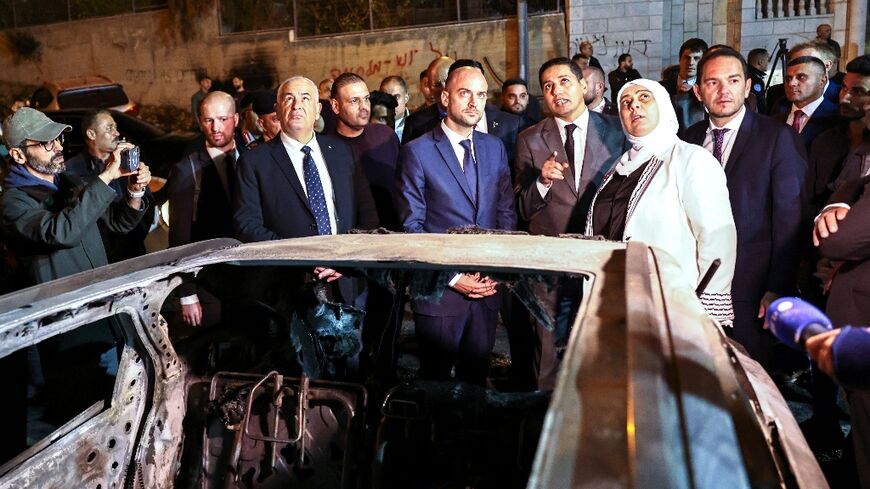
{"x": 475, "y": 286}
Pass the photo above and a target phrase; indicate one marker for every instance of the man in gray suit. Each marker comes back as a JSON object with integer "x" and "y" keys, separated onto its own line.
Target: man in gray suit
{"x": 561, "y": 162}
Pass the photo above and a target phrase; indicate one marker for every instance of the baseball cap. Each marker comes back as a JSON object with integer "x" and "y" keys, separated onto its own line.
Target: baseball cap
{"x": 31, "y": 124}
{"x": 264, "y": 102}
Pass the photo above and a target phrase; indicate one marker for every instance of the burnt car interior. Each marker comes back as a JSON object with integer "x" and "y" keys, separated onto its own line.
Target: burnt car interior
{"x": 285, "y": 386}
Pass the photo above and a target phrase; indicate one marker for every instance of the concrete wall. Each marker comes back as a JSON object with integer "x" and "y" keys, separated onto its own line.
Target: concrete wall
{"x": 139, "y": 51}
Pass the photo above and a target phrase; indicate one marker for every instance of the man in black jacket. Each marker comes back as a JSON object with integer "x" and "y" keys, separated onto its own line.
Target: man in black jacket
{"x": 102, "y": 138}
{"x": 49, "y": 218}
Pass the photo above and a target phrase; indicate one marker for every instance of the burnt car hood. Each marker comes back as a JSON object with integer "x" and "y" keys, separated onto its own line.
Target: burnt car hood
{"x": 651, "y": 394}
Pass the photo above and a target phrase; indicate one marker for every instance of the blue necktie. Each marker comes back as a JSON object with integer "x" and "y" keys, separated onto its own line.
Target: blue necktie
{"x": 470, "y": 168}
{"x": 316, "y": 199}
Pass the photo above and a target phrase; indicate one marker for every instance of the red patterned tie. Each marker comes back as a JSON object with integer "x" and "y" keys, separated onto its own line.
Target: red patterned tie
{"x": 798, "y": 121}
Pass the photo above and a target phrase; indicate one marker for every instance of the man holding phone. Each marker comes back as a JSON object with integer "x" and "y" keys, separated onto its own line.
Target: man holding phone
{"x": 102, "y": 139}
{"x": 48, "y": 218}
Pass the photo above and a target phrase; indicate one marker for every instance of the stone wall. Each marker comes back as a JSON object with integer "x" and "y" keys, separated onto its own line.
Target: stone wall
{"x": 155, "y": 67}
{"x": 619, "y": 26}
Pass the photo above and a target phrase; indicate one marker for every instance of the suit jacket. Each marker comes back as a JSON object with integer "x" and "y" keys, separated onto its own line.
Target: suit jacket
{"x": 270, "y": 202}
{"x": 825, "y": 117}
{"x": 198, "y": 204}
{"x": 766, "y": 173}
{"x": 564, "y": 208}
{"x": 689, "y": 111}
{"x": 826, "y": 161}
{"x": 436, "y": 197}
{"x": 849, "y": 300}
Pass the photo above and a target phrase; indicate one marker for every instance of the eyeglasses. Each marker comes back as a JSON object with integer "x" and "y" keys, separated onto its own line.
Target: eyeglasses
{"x": 48, "y": 145}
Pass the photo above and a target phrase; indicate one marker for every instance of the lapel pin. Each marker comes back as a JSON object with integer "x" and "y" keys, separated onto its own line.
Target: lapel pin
{"x": 494, "y": 124}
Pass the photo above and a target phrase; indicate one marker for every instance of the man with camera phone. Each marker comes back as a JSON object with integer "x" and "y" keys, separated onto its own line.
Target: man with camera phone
{"x": 101, "y": 139}
{"x": 48, "y": 217}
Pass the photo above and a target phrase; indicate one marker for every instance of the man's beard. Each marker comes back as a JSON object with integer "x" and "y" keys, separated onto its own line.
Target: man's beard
{"x": 51, "y": 167}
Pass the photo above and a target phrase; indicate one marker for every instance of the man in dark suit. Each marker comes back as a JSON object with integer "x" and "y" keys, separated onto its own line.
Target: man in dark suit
{"x": 807, "y": 110}
{"x": 561, "y": 162}
{"x": 688, "y": 108}
{"x": 776, "y": 99}
{"x": 314, "y": 183}
{"x": 456, "y": 176}
{"x": 200, "y": 196}
{"x": 842, "y": 233}
{"x": 765, "y": 166}
{"x": 594, "y": 98}
{"x": 586, "y": 50}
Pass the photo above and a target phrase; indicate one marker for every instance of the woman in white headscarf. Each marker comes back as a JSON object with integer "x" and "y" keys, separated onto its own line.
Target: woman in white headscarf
{"x": 669, "y": 194}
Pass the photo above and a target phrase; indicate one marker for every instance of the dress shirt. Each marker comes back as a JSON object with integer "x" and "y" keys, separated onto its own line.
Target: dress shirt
{"x": 807, "y": 110}
{"x": 481, "y": 124}
{"x": 582, "y": 123}
{"x": 598, "y": 108}
{"x": 294, "y": 150}
{"x": 455, "y": 138}
{"x": 400, "y": 124}
{"x": 688, "y": 81}
{"x": 218, "y": 157}
{"x": 728, "y": 141}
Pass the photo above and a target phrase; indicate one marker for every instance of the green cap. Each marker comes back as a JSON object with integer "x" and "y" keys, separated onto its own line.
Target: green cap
{"x": 31, "y": 124}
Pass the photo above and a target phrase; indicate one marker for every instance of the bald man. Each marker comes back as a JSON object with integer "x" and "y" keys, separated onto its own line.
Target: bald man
{"x": 456, "y": 176}
{"x": 200, "y": 194}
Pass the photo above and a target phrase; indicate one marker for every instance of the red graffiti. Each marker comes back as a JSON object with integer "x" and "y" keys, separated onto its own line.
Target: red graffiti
{"x": 377, "y": 66}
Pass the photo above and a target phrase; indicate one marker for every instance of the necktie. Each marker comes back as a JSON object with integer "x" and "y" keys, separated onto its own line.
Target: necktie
{"x": 569, "y": 143}
{"x": 230, "y": 170}
{"x": 316, "y": 199}
{"x": 798, "y": 120}
{"x": 469, "y": 166}
{"x": 718, "y": 143}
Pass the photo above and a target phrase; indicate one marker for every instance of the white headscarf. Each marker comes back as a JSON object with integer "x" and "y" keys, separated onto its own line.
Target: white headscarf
{"x": 656, "y": 142}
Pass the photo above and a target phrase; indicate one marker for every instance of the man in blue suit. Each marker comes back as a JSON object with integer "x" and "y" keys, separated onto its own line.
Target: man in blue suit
{"x": 765, "y": 165}
{"x": 455, "y": 176}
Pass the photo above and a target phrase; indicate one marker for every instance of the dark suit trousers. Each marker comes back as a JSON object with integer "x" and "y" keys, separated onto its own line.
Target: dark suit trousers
{"x": 859, "y": 409}
{"x": 465, "y": 341}
{"x": 748, "y": 331}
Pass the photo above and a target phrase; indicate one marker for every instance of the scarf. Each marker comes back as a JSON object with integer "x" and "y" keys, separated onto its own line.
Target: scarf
{"x": 662, "y": 138}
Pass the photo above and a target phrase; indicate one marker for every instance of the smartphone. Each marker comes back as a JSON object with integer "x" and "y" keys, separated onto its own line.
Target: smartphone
{"x": 130, "y": 159}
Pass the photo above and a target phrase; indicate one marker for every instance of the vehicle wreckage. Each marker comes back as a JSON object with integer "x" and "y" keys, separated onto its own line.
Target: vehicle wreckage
{"x": 651, "y": 393}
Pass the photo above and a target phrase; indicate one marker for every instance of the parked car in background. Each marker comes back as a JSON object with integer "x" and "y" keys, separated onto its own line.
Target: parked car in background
{"x": 83, "y": 92}
{"x": 159, "y": 149}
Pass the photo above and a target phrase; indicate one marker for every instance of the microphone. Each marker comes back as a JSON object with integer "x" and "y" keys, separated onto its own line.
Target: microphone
{"x": 794, "y": 320}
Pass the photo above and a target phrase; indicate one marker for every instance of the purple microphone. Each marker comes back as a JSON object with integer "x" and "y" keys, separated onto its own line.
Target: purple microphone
{"x": 794, "y": 320}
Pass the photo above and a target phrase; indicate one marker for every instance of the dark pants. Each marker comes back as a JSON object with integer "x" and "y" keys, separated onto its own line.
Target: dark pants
{"x": 859, "y": 409}
{"x": 465, "y": 341}
{"x": 748, "y": 331}
{"x": 521, "y": 337}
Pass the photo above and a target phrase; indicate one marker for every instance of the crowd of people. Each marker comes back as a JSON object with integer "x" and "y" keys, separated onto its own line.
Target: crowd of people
{"x": 707, "y": 163}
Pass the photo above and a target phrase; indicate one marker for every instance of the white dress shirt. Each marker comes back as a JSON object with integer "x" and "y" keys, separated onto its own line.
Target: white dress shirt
{"x": 807, "y": 110}
{"x": 579, "y": 135}
{"x": 294, "y": 150}
{"x": 456, "y": 138}
{"x": 482, "y": 125}
{"x": 729, "y": 136}
{"x": 598, "y": 108}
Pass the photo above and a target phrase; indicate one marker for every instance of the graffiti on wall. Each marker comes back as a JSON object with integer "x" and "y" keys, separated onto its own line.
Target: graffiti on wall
{"x": 613, "y": 47}
{"x": 382, "y": 65}
{"x": 167, "y": 76}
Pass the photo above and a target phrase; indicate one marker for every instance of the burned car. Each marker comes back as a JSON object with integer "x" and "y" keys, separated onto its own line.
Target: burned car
{"x": 651, "y": 393}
